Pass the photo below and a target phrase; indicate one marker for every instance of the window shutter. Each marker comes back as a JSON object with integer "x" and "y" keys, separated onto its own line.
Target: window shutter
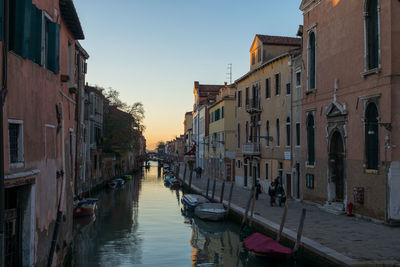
{"x": 54, "y": 47}
{"x": 1, "y": 18}
{"x": 20, "y": 14}
{"x": 35, "y": 44}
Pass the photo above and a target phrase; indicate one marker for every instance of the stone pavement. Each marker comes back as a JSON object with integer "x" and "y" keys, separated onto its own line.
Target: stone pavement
{"x": 338, "y": 238}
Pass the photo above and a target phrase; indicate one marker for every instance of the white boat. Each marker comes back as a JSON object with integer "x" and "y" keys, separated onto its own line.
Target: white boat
{"x": 210, "y": 211}
{"x": 190, "y": 201}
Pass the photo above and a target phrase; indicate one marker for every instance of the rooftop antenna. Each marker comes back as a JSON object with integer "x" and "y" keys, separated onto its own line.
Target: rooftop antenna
{"x": 229, "y": 73}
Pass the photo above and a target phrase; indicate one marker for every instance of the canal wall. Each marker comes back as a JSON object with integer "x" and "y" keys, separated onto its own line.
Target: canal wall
{"x": 331, "y": 239}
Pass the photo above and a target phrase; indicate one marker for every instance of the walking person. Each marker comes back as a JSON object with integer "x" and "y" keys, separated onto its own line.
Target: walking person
{"x": 281, "y": 194}
{"x": 258, "y": 188}
{"x": 271, "y": 193}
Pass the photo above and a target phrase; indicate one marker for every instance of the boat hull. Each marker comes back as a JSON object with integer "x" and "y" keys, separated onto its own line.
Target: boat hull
{"x": 210, "y": 211}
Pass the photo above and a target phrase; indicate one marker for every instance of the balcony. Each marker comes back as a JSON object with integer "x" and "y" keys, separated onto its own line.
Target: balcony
{"x": 254, "y": 106}
{"x": 251, "y": 149}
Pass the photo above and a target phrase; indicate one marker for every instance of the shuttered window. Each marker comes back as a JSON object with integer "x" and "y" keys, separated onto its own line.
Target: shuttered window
{"x": 1, "y": 18}
{"x": 311, "y": 59}
{"x": 373, "y": 34}
{"x": 35, "y": 41}
{"x": 52, "y": 46}
{"x": 310, "y": 140}
{"x": 19, "y": 15}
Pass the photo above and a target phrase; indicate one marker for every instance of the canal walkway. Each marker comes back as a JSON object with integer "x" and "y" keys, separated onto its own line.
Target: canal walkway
{"x": 339, "y": 239}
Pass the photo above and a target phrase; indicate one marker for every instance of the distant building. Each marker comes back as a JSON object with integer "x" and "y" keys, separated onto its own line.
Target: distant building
{"x": 221, "y": 141}
{"x": 188, "y": 131}
{"x": 204, "y": 95}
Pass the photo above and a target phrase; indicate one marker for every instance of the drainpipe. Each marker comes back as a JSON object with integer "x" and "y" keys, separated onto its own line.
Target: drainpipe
{"x": 61, "y": 203}
{"x": 3, "y": 94}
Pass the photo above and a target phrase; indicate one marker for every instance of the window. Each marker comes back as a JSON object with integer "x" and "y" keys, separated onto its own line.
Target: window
{"x": 277, "y": 84}
{"x": 371, "y": 137}
{"x": 16, "y": 144}
{"x": 238, "y": 135}
{"x": 70, "y": 64}
{"x": 297, "y": 133}
{"x": 298, "y": 78}
{"x": 311, "y": 61}
{"x": 239, "y": 98}
{"x": 267, "y": 133}
{"x": 310, "y": 180}
{"x": 216, "y": 115}
{"x": 371, "y": 18}
{"x": 280, "y": 171}
{"x": 247, "y": 95}
{"x": 259, "y": 54}
{"x": 247, "y": 132}
{"x": 268, "y": 88}
{"x": 310, "y": 140}
{"x": 222, "y": 111}
{"x": 277, "y": 133}
{"x": 288, "y": 89}
{"x": 266, "y": 171}
{"x": 253, "y": 58}
{"x": 288, "y": 131}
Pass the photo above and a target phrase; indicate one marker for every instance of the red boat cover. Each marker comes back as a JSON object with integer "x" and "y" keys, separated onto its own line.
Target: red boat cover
{"x": 262, "y": 244}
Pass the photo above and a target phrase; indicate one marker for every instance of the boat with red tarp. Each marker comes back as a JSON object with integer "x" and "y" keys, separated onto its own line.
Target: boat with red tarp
{"x": 265, "y": 246}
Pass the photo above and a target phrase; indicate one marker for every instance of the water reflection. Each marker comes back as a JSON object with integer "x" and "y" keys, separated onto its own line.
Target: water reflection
{"x": 142, "y": 223}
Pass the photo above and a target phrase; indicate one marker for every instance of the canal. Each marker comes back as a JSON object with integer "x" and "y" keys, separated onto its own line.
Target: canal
{"x": 141, "y": 224}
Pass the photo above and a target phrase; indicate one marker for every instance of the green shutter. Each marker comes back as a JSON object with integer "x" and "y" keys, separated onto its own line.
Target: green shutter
{"x": 53, "y": 47}
{"x": 20, "y": 13}
{"x": 1, "y": 18}
{"x": 35, "y": 44}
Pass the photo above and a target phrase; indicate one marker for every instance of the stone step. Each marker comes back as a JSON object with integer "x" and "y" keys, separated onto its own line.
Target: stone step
{"x": 334, "y": 208}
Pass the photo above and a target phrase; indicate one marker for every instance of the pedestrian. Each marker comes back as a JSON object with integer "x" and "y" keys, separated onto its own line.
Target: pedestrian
{"x": 200, "y": 170}
{"x": 271, "y": 193}
{"x": 281, "y": 195}
{"x": 258, "y": 188}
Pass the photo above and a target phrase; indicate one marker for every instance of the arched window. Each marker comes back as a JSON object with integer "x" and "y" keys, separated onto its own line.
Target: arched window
{"x": 371, "y": 17}
{"x": 277, "y": 133}
{"x": 371, "y": 136}
{"x": 267, "y": 133}
{"x": 310, "y": 140}
{"x": 288, "y": 134}
{"x": 238, "y": 135}
{"x": 311, "y": 60}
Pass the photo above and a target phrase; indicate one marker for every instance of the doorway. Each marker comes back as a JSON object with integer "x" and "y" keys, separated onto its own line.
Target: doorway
{"x": 298, "y": 179}
{"x": 245, "y": 172}
{"x": 336, "y": 165}
{"x": 289, "y": 185}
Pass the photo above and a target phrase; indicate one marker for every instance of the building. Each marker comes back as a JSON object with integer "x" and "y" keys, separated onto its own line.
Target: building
{"x": 204, "y": 95}
{"x": 263, "y": 113}
{"x": 350, "y": 111}
{"x": 93, "y": 136}
{"x": 221, "y": 141}
{"x": 188, "y": 130}
{"x": 39, "y": 128}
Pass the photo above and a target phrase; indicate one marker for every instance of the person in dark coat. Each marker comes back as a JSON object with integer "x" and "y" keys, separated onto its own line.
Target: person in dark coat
{"x": 281, "y": 194}
{"x": 258, "y": 188}
{"x": 271, "y": 193}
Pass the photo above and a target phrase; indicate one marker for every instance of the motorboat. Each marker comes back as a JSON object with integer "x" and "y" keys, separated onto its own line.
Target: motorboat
{"x": 127, "y": 177}
{"x": 265, "y": 246}
{"x": 85, "y": 207}
{"x": 116, "y": 183}
{"x": 175, "y": 183}
{"x": 210, "y": 211}
{"x": 191, "y": 201}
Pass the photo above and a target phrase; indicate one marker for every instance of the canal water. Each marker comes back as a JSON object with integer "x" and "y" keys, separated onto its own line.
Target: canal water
{"x": 141, "y": 224}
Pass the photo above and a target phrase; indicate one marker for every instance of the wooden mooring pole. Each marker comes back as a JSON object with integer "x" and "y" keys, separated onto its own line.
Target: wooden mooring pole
{"x": 190, "y": 179}
{"x": 184, "y": 173}
{"x": 208, "y": 186}
{"x": 247, "y": 209}
{"x": 299, "y": 231}
{"x": 222, "y": 192}
{"x": 253, "y": 203}
{"x": 213, "y": 190}
{"x": 278, "y": 237}
{"x": 230, "y": 197}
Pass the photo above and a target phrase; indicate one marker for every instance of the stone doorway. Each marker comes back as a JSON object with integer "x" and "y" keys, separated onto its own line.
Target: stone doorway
{"x": 336, "y": 167}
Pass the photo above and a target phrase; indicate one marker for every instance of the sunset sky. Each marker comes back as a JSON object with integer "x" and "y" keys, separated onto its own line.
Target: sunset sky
{"x": 153, "y": 50}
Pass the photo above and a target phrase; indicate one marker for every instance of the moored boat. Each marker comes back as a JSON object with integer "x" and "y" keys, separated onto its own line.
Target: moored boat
{"x": 85, "y": 207}
{"x": 210, "y": 211}
{"x": 265, "y": 246}
{"x": 175, "y": 183}
{"x": 191, "y": 201}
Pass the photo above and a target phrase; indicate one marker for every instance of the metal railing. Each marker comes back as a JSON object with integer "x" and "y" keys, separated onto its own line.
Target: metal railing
{"x": 251, "y": 148}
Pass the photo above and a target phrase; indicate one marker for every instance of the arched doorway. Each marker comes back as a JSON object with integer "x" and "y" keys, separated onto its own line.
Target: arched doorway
{"x": 336, "y": 166}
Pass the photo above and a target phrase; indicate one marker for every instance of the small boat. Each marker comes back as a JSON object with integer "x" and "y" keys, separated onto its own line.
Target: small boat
{"x": 265, "y": 246}
{"x": 127, "y": 177}
{"x": 116, "y": 183}
{"x": 175, "y": 183}
{"x": 210, "y": 211}
{"x": 191, "y": 201}
{"x": 169, "y": 177}
{"x": 85, "y": 207}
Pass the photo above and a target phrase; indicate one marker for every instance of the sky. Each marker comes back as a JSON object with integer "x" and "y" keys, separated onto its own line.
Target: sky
{"x": 152, "y": 51}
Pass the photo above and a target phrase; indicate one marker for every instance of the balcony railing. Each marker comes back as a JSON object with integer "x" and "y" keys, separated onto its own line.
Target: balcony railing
{"x": 254, "y": 105}
{"x": 251, "y": 148}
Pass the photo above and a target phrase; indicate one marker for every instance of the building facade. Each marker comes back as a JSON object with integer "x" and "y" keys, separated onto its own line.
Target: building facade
{"x": 39, "y": 128}
{"x": 351, "y": 84}
{"x": 264, "y": 115}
